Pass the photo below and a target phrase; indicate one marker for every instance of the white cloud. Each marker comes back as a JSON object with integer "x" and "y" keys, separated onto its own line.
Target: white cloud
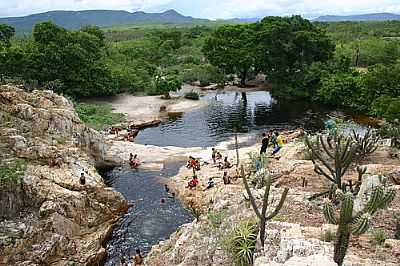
{"x": 208, "y": 8}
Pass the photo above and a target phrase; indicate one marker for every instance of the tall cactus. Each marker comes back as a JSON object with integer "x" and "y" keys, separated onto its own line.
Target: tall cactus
{"x": 354, "y": 223}
{"x": 262, "y": 215}
{"x": 332, "y": 156}
{"x": 367, "y": 144}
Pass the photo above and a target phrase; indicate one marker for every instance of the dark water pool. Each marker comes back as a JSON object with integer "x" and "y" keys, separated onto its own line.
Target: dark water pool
{"x": 227, "y": 111}
{"x": 148, "y": 221}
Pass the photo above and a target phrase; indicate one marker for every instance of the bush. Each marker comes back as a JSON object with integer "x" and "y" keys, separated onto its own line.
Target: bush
{"x": 387, "y": 107}
{"x": 12, "y": 172}
{"x": 192, "y": 95}
{"x": 241, "y": 242}
{"x": 216, "y": 218}
{"x": 378, "y": 237}
{"x": 328, "y": 236}
{"x": 98, "y": 116}
{"x": 205, "y": 74}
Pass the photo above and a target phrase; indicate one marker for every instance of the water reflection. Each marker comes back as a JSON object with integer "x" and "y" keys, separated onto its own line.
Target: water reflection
{"x": 227, "y": 112}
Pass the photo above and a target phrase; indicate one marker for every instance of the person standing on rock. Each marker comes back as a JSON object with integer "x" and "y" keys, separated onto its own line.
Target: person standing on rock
{"x": 264, "y": 143}
{"x": 82, "y": 179}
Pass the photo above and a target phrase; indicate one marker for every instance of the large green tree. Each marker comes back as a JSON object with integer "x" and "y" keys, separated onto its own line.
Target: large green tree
{"x": 73, "y": 59}
{"x": 232, "y": 48}
{"x": 286, "y": 47}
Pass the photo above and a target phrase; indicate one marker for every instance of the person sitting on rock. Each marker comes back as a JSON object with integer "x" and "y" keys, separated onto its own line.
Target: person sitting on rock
{"x": 135, "y": 162}
{"x": 138, "y": 259}
{"x": 166, "y": 188}
{"x": 226, "y": 164}
{"x": 193, "y": 182}
{"x": 82, "y": 179}
{"x": 226, "y": 178}
{"x": 210, "y": 184}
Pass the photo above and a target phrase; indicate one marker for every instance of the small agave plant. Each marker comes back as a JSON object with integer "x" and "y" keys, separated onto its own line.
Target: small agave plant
{"x": 351, "y": 223}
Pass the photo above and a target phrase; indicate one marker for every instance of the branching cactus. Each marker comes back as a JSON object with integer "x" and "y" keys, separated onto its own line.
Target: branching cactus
{"x": 351, "y": 223}
{"x": 332, "y": 156}
{"x": 367, "y": 144}
{"x": 262, "y": 215}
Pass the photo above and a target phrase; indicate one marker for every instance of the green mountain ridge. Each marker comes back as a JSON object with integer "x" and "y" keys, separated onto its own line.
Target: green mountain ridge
{"x": 101, "y": 18}
{"x": 363, "y": 17}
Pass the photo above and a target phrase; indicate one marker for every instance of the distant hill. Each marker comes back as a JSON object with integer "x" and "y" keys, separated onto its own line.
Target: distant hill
{"x": 102, "y": 18}
{"x": 364, "y": 17}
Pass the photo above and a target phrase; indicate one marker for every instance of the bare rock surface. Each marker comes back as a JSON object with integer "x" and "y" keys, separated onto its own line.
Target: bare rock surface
{"x": 59, "y": 220}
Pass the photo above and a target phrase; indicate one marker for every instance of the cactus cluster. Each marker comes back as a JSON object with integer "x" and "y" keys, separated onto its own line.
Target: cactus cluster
{"x": 367, "y": 144}
{"x": 262, "y": 215}
{"x": 332, "y": 156}
{"x": 351, "y": 223}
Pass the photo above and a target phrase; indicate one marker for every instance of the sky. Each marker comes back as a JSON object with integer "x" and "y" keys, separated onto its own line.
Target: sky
{"x": 212, "y": 9}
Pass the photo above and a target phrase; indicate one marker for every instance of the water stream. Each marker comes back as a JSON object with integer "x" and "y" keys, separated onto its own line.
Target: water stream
{"x": 150, "y": 221}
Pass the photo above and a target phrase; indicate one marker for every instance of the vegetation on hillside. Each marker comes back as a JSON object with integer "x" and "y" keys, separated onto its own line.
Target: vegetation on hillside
{"x": 342, "y": 64}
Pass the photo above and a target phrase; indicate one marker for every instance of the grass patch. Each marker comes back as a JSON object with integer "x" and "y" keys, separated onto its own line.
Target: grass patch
{"x": 98, "y": 116}
{"x": 12, "y": 172}
{"x": 216, "y": 218}
{"x": 328, "y": 236}
{"x": 378, "y": 237}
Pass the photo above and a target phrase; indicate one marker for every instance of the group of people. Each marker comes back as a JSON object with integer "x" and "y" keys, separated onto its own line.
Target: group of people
{"x": 276, "y": 140}
{"x": 132, "y": 132}
{"x": 134, "y": 161}
{"x": 136, "y": 260}
{"x": 195, "y": 165}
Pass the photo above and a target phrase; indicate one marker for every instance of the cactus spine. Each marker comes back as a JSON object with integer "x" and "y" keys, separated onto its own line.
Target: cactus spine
{"x": 354, "y": 223}
{"x": 332, "y": 156}
{"x": 366, "y": 144}
{"x": 262, "y": 215}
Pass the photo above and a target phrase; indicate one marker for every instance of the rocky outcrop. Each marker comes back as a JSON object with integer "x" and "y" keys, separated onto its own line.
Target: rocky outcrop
{"x": 298, "y": 236}
{"x": 55, "y": 219}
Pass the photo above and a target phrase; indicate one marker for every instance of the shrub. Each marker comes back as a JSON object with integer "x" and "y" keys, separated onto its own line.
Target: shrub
{"x": 98, "y": 116}
{"x": 12, "y": 172}
{"x": 192, "y": 95}
{"x": 216, "y": 218}
{"x": 328, "y": 236}
{"x": 378, "y": 237}
{"x": 241, "y": 242}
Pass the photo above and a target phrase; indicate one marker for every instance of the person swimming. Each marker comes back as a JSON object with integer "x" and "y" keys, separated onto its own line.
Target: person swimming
{"x": 135, "y": 162}
{"x": 138, "y": 259}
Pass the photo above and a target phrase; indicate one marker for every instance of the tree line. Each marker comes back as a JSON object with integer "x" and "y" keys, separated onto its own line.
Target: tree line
{"x": 301, "y": 60}
{"x": 351, "y": 64}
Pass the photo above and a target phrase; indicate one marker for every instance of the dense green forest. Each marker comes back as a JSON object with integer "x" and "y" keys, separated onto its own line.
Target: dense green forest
{"x": 344, "y": 64}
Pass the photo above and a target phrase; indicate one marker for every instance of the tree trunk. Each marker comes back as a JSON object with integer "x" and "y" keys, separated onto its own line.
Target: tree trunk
{"x": 341, "y": 244}
{"x": 243, "y": 77}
